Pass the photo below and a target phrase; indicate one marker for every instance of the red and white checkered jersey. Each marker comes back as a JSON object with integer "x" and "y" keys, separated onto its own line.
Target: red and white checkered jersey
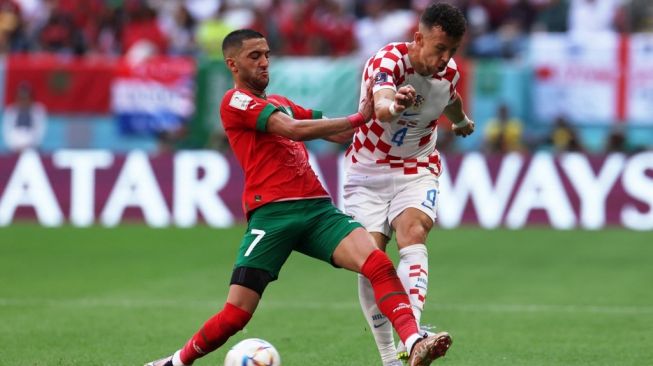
{"x": 408, "y": 141}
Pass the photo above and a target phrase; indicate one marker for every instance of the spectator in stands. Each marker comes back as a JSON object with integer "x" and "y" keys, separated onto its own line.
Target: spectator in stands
{"x": 503, "y": 134}
{"x": 179, "y": 27}
{"x": 59, "y": 35}
{"x": 142, "y": 26}
{"x": 587, "y": 16}
{"x": 12, "y": 31}
{"x": 298, "y": 31}
{"x": 553, "y": 17}
{"x": 210, "y": 34}
{"x": 336, "y": 28}
{"x": 381, "y": 24}
{"x": 24, "y": 123}
{"x": 563, "y": 137}
{"x": 617, "y": 141}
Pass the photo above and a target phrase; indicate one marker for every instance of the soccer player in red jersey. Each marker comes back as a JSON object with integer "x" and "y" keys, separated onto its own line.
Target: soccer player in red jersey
{"x": 288, "y": 209}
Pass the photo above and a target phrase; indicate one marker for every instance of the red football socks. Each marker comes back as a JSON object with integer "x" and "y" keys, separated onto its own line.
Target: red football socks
{"x": 390, "y": 294}
{"x": 215, "y": 332}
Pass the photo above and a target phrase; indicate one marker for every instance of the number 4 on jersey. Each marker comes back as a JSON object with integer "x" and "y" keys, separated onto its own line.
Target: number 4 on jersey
{"x": 398, "y": 137}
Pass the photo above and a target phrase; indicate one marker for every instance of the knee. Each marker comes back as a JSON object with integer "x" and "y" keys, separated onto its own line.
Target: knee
{"x": 413, "y": 233}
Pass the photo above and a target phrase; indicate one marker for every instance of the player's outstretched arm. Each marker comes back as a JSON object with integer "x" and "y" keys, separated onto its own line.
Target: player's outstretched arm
{"x": 309, "y": 129}
{"x": 462, "y": 125}
{"x": 341, "y": 138}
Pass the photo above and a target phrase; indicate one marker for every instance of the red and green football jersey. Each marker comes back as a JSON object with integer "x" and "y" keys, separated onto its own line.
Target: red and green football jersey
{"x": 276, "y": 168}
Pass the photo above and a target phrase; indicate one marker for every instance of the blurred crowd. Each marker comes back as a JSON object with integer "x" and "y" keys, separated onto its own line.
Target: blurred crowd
{"x": 497, "y": 28}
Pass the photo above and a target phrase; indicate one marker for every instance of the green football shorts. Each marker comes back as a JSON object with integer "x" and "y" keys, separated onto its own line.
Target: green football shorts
{"x": 313, "y": 227}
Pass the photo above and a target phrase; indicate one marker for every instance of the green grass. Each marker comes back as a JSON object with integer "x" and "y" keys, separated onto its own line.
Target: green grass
{"x": 127, "y": 295}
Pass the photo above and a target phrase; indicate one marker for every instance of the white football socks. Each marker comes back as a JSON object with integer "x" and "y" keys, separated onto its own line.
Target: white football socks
{"x": 176, "y": 359}
{"x": 413, "y": 271}
{"x": 380, "y": 326}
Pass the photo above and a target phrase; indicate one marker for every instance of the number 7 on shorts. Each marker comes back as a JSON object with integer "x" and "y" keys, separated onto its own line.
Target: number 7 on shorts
{"x": 259, "y": 235}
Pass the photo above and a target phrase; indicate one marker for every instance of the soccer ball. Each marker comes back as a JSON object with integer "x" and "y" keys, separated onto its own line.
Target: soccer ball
{"x": 253, "y": 352}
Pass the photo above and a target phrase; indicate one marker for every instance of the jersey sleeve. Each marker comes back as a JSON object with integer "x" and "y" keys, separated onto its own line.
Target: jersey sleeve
{"x": 300, "y": 112}
{"x": 240, "y": 110}
{"x": 387, "y": 69}
{"x": 453, "y": 75}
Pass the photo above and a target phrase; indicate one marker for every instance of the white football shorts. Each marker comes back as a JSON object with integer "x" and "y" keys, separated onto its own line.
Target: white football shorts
{"x": 376, "y": 200}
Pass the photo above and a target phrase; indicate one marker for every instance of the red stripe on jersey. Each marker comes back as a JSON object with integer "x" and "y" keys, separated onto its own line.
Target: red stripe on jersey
{"x": 391, "y": 56}
{"x": 381, "y": 145}
{"x": 376, "y": 128}
{"x": 412, "y": 170}
{"x": 450, "y": 74}
{"x": 376, "y": 63}
{"x": 424, "y": 140}
{"x": 369, "y": 145}
{"x": 357, "y": 143}
{"x": 415, "y": 266}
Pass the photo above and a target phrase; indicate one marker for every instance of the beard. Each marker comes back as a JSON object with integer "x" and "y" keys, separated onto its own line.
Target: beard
{"x": 260, "y": 83}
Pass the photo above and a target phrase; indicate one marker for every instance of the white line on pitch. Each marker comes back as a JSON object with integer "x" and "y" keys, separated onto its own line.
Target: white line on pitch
{"x": 304, "y": 305}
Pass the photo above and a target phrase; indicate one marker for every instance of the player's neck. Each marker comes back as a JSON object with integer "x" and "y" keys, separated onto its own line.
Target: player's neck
{"x": 255, "y": 91}
{"x": 413, "y": 57}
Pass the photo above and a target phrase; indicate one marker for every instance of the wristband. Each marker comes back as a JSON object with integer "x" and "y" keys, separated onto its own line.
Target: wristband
{"x": 462, "y": 123}
{"x": 392, "y": 110}
{"x": 356, "y": 120}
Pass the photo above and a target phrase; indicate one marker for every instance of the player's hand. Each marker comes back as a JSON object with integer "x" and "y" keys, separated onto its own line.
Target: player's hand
{"x": 366, "y": 105}
{"x": 404, "y": 98}
{"x": 464, "y": 130}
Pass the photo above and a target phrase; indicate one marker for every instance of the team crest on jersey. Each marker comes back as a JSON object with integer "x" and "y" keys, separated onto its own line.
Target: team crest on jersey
{"x": 419, "y": 100}
{"x": 381, "y": 78}
{"x": 240, "y": 101}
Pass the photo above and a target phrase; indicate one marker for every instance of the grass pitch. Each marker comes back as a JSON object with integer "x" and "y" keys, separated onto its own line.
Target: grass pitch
{"x": 127, "y": 295}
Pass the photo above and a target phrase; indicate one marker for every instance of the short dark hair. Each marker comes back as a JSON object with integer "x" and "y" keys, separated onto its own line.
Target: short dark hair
{"x": 448, "y": 17}
{"x": 235, "y": 39}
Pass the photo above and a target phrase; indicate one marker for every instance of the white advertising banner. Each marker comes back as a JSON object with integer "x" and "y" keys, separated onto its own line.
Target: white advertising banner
{"x": 576, "y": 76}
{"x": 640, "y": 81}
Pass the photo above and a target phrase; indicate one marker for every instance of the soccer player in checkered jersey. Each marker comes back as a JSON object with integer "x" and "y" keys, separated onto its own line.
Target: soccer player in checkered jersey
{"x": 392, "y": 164}
{"x": 288, "y": 209}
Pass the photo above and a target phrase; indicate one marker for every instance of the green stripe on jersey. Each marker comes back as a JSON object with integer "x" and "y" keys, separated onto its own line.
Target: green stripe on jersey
{"x": 262, "y": 119}
{"x": 317, "y": 114}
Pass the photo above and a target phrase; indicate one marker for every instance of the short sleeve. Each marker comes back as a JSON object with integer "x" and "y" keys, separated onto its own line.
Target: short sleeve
{"x": 299, "y": 112}
{"x": 452, "y": 74}
{"x": 387, "y": 68}
{"x": 241, "y": 110}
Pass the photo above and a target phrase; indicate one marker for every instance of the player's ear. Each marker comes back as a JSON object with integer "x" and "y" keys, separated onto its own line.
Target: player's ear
{"x": 419, "y": 39}
{"x": 231, "y": 64}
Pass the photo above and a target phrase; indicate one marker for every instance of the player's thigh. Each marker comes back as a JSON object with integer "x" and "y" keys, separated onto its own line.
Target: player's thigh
{"x": 415, "y": 191}
{"x": 367, "y": 199}
{"x": 268, "y": 241}
{"x": 325, "y": 227}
